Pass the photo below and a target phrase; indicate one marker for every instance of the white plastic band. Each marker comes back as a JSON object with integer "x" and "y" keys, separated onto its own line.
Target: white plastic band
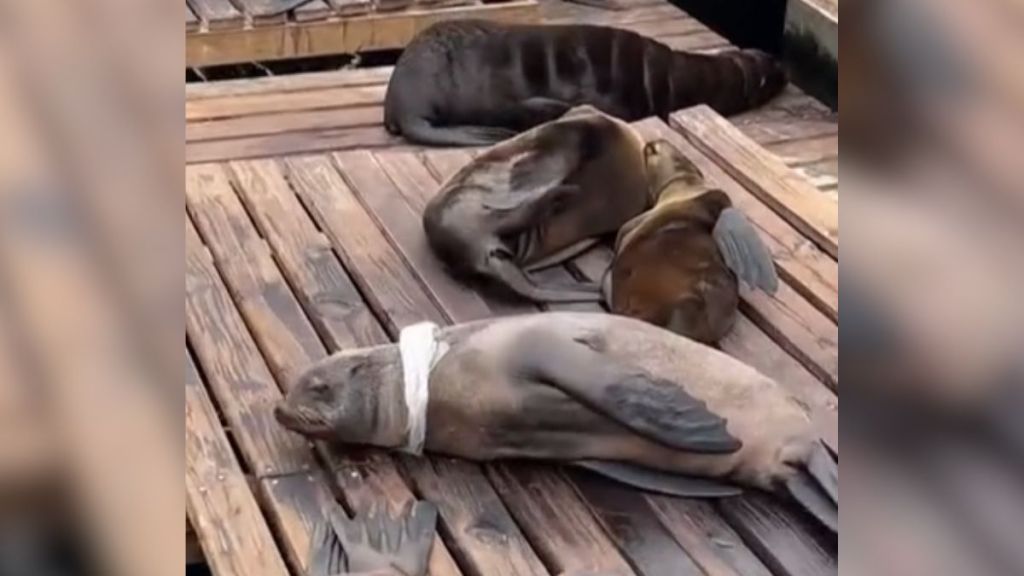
{"x": 420, "y": 352}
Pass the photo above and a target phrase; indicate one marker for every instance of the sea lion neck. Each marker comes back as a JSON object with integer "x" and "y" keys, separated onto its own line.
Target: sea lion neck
{"x": 389, "y": 418}
{"x": 678, "y": 187}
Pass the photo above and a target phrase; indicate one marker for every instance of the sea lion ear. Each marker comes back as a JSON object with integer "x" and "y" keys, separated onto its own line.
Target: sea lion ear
{"x": 650, "y": 406}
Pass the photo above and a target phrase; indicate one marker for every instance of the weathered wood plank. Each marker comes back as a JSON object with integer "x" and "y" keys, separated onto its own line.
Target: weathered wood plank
{"x": 382, "y": 31}
{"x": 237, "y": 374}
{"x": 403, "y": 226}
{"x": 191, "y": 22}
{"x": 485, "y": 538}
{"x": 232, "y": 532}
{"x": 821, "y": 174}
{"x": 277, "y": 123}
{"x": 807, "y": 150}
{"x": 376, "y": 267}
{"x": 811, "y": 272}
{"x": 217, "y": 14}
{"x": 312, "y": 10}
{"x": 561, "y": 528}
{"x": 707, "y": 537}
{"x": 628, "y": 519}
{"x": 290, "y": 143}
{"x": 376, "y": 75}
{"x": 248, "y": 104}
{"x": 278, "y": 324}
{"x": 296, "y": 504}
{"x": 326, "y": 292}
{"x": 790, "y": 195}
{"x": 348, "y": 8}
{"x": 268, "y": 9}
{"x": 778, "y": 537}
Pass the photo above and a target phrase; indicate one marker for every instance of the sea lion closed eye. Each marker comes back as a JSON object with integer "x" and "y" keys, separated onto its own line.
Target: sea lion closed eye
{"x": 537, "y": 200}
{"x": 679, "y": 264}
{"x": 476, "y": 82}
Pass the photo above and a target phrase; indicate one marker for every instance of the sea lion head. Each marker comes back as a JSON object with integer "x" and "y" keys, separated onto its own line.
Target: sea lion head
{"x": 666, "y": 164}
{"x": 348, "y": 398}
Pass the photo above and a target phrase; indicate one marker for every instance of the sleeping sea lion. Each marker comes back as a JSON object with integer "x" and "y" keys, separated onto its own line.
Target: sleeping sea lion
{"x": 622, "y": 397}
{"x": 539, "y": 199}
{"x": 476, "y": 82}
{"x": 677, "y": 264}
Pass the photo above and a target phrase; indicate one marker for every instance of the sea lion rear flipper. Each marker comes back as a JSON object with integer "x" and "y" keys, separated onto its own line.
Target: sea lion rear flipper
{"x": 422, "y": 131}
{"x": 816, "y": 488}
{"x": 376, "y": 541}
{"x": 653, "y": 407}
{"x": 541, "y": 109}
{"x": 326, "y": 557}
{"x": 563, "y": 255}
{"x": 660, "y": 482}
{"x": 743, "y": 251}
{"x": 506, "y": 272}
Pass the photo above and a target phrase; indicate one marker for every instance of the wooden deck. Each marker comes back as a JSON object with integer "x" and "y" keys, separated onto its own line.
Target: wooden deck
{"x": 303, "y": 237}
{"x": 236, "y": 31}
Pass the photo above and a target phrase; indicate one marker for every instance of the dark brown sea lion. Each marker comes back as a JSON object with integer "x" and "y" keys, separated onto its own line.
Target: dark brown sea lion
{"x": 626, "y": 398}
{"x": 539, "y": 199}
{"x": 475, "y": 82}
{"x": 678, "y": 264}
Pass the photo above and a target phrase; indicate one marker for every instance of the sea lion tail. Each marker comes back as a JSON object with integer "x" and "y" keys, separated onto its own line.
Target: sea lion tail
{"x": 816, "y": 487}
{"x": 744, "y": 79}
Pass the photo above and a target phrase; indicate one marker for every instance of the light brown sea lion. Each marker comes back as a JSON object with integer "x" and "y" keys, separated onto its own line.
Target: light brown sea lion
{"x": 476, "y": 82}
{"x": 678, "y": 264}
{"x": 625, "y": 398}
{"x": 539, "y": 199}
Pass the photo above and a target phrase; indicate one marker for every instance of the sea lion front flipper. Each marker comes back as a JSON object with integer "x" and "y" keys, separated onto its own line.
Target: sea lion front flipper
{"x": 660, "y": 482}
{"x": 377, "y": 541}
{"x": 422, "y": 131}
{"x": 653, "y": 407}
{"x": 744, "y": 252}
{"x": 816, "y": 487}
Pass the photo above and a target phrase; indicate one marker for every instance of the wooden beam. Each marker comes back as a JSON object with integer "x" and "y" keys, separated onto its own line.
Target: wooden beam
{"x": 784, "y": 191}
{"x": 343, "y": 36}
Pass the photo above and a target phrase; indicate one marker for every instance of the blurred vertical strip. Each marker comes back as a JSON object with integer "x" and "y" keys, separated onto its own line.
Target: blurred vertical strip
{"x": 91, "y": 261}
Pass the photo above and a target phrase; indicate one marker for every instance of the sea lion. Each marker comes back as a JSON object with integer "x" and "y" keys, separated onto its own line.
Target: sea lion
{"x": 476, "y": 82}
{"x": 623, "y": 397}
{"x": 678, "y": 264}
{"x": 539, "y": 199}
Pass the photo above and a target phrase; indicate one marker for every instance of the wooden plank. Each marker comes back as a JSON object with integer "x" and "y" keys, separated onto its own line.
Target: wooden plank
{"x": 807, "y": 150}
{"x": 698, "y": 42}
{"x": 383, "y": 31}
{"x": 628, "y": 519}
{"x": 290, "y": 143}
{"x": 237, "y": 374}
{"x": 376, "y": 75}
{"x": 217, "y": 14}
{"x": 265, "y": 124}
{"x": 473, "y": 519}
{"x": 778, "y": 537}
{"x": 821, "y": 174}
{"x": 776, "y": 131}
{"x": 278, "y": 324}
{"x": 707, "y": 537}
{"x": 327, "y": 294}
{"x": 320, "y": 281}
{"x": 811, "y": 272}
{"x": 269, "y": 9}
{"x": 228, "y": 107}
{"x": 348, "y": 8}
{"x": 232, "y": 532}
{"x": 376, "y": 267}
{"x": 403, "y": 226}
{"x": 560, "y": 527}
{"x": 191, "y": 22}
{"x": 770, "y": 180}
{"x": 296, "y": 504}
